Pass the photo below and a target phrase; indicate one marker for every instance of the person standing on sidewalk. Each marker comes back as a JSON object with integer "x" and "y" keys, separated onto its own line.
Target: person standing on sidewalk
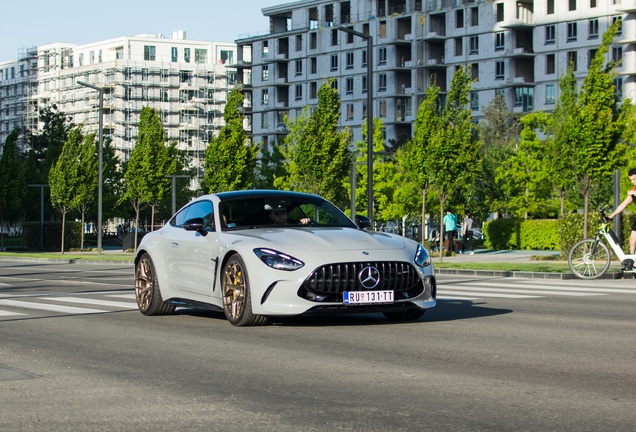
{"x": 467, "y": 232}
{"x": 450, "y": 228}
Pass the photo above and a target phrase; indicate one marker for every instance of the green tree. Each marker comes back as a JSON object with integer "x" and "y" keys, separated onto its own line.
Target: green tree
{"x": 12, "y": 184}
{"x": 523, "y": 176}
{"x": 48, "y": 144}
{"x": 599, "y": 123}
{"x": 64, "y": 176}
{"x": 87, "y": 176}
{"x": 150, "y": 161}
{"x": 454, "y": 148}
{"x": 415, "y": 160}
{"x": 269, "y": 167}
{"x": 501, "y": 128}
{"x": 229, "y": 159}
{"x": 318, "y": 155}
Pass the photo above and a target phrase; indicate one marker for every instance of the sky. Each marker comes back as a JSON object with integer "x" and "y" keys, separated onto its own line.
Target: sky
{"x": 41, "y": 22}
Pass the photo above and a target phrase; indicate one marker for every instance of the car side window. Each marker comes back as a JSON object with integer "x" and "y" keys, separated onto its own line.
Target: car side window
{"x": 205, "y": 211}
{"x": 178, "y": 219}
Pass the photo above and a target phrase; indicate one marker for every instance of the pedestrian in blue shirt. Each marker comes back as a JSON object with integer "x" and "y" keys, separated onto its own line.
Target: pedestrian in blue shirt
{"x": 450, "y": 229}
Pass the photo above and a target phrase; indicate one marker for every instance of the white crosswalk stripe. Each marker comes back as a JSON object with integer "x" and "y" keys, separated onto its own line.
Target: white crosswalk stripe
{"x": 453, "y": 293}
{"x": 125, "y": 296}
{"x": 95, "y": 302}
{"x": 49, "y": 307}
{"x": 7, "y": 313}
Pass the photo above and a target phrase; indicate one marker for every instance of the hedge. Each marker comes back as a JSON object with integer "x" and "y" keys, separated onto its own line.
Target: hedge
{"x": 53, "y": 235}
{"x": 571, "y": 229}
{"x": 520, "y": 234}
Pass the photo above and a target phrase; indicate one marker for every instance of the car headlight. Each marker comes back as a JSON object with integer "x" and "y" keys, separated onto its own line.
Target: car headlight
{"x": 278, "y": 260}
{"x": 422, "y": 258}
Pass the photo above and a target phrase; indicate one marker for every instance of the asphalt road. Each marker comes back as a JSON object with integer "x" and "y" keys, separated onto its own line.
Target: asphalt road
{"x": 495, "y": 354}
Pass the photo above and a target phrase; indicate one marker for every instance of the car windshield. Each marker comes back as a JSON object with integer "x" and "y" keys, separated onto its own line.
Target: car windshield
{"x": 280, "y": 210}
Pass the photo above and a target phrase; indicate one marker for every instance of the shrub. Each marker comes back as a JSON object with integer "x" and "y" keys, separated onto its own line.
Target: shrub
{"x": 571, "y": 229}
{"x": 53, "y": 235}
{"x": 533, "y": 234}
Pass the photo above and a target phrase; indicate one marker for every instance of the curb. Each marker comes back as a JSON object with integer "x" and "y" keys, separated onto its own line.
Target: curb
{"x": 67, "y": 261}
{"x": 522, "y": 274}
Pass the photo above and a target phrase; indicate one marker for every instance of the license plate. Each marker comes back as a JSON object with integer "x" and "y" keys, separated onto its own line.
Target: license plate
{"x": 368, "y": 297}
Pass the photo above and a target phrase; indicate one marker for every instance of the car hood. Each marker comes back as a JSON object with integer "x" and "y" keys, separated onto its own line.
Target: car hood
{"x": 324, "y": 239}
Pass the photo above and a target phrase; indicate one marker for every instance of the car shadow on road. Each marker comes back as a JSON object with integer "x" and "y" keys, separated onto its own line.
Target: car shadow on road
{"x": 456, "y": 309}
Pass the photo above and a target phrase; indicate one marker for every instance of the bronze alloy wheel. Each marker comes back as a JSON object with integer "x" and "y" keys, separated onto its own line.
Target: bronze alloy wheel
{"x": 147, "y": 290}
{"x": 236, "y": 294}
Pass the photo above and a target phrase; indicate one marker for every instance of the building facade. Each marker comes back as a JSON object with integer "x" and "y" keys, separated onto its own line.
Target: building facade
{"x": 186, "y": 81}
{"x": 514, "y": 48}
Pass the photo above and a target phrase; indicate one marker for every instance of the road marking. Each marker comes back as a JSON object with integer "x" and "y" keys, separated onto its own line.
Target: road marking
{"x": 96, "y": 302}
{"x": 597, "y": 288}
{"x": 126, "y": 296}
{"x": 61, "y": 294}
{"x": 453, "y": 292}
{"x": 49, "y": 307}
{"x": 7, "y": 313}
{"x": 4, "y": 284}
{"x": 554, "y": 288}
{"x": 523, "y": 291}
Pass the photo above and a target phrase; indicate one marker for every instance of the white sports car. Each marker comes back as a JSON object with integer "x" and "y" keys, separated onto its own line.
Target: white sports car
{"x": 258, "y": 254}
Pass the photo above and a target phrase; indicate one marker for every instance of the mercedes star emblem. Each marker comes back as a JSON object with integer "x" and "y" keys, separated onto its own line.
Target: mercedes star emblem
{"x": 369, "y": 277}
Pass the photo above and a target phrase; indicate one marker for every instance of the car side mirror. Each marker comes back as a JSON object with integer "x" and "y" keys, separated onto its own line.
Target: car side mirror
{"x": 195, "y": 224}
{"x": 362, "y": 221}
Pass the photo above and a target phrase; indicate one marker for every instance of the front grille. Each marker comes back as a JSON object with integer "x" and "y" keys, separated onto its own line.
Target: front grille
{"x": 328, "y": 282}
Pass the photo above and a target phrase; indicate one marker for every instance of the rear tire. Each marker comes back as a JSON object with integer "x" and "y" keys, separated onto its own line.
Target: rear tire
{"x": 405, "y": 315}
{"x": 147, "y": 290}
{"x": 237, "y": 303}
{"x": 586, "y": 266}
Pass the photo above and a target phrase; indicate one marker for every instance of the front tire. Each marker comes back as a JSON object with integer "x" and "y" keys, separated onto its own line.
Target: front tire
{"x": 237, "y": 303}
{"x": 405, "y": 315}
{"x": 585, "y": 265}
{"x": 147, "y": 290}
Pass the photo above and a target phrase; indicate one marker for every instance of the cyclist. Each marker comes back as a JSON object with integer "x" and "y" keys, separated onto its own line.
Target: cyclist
{"x": 630, "y": 198}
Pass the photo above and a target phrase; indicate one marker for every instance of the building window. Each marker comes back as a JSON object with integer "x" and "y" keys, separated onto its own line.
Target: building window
{"x": 382, "y": 56}
{"x": 174, "y": 51}
{"x": 334, "y": 37}
{"x": 334, "y": 84}
{"x": 314, "y": 90}
{"x": 299, "y": 67}
{"x": 619, "y": 31}
{"x": 144, "y": 74}
{"x": 364, "y": 58}
{"x": 265, "y": 96}
{"x": 458, "y": 47}
{"x": 364, "y": 84}
{"x": 474, "y": 72}
{"x": 350, "y": 60}
{"x": 382, "y": 29}
{"x": 593, "y": 3}
{"x": 314, "y": 65}
{"x": 299, "y": 91}
{"x": 500, "y": 41}
{"x": 474, "y": 101}
{"x": 200, "y": 55}
{"x": 593, "y": 29}
{"x": 550, "y": 34}
{"x": 265, "y": 75}
{"x": 265, "y": 50}
{"x": 349, "y": 85}
{"x": 334, "y": 62}
{"x": 474, "y": 16}
{"x": 500, "y": 70}
{"x": 81, "y": 60}
{"x": 403, "y": 108}
{"x": 350, "y": 36}
{"x": 382, "y": 82}
{"x": 550, "y": 64}
{"x": 349, "y": 111}
{"x": 474, "y": 45}
{"x": 150, "y": 53}
{"x": 618, "y": 87}
{"x": 459, "y": 18}
{"x": 364, "y": 110}
{"x": 550, "y": 97}
{"x": 550, "y": 7}
{"x": 590, "y": 57}
{"x": 163, "y": 95}
{"x": 264, "y": 120}
{"x": 299, "y": 42}
{"x": 524, "y": 97}
{"x": 572, "y": 26}
{"x": 500, "y": 93}
{"x": 572, "y": 5}
{"x": 382, "y": 108}
{"x": 617, "y": 55}
{"x": 312, "y": 40}
{"x": 186, "y": 55}
{"x": 572, "y": 63}
{"x": 500, "y": 12}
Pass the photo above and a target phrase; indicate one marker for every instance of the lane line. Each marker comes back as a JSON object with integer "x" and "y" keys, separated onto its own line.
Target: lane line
{"x": 62, "y": 294}
{"x": 7, "y": 313}
{"x": 551, "y": 288}
{"x": 49, "y": 307}
{"x": 526, "y": 291}
{"x": 96, "y": 302}
{"x": 482, "y": 294}
{"x": 125, "y": 296}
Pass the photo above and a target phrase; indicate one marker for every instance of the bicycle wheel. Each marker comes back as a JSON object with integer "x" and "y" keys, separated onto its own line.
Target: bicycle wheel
{"x": 586, "y": 265}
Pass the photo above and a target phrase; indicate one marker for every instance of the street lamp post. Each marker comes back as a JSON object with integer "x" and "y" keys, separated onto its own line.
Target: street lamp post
{"x": 99, "y": 153}
{"x": 369, "y": 40}
{"x": 174, "y": 190}
{"x": 41, "y": 186}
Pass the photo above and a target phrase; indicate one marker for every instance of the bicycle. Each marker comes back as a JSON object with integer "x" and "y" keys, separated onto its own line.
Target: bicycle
{"x": 590, "y": 258}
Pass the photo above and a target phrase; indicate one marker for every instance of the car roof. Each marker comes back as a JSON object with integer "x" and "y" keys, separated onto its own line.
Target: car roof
{"x": 259, "y": 193}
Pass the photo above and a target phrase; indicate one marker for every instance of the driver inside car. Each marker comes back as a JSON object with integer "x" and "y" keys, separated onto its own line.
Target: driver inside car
{"x": 279, "y": 216}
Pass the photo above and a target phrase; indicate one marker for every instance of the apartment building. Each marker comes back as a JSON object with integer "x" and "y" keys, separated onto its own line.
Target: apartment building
{"x": 516, "y": 48}
{"x": 187, "y": 81}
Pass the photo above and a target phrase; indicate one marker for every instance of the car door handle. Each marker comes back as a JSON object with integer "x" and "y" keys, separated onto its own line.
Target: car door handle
{"x": 175, "y": 244}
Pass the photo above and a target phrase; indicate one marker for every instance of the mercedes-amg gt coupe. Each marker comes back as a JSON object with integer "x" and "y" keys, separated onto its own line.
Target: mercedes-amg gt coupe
{"x": 259, "y": 254}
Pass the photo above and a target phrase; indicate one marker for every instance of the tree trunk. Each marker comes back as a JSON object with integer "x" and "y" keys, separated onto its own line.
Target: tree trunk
{"x": 527, "y": 193}
{"x": 136, "y": 227}
{"x": 424, "y": 233}
{"x": 587, "y": 203}
{"x": 82, "y": 238}
{"x": 63, "y": 223}
{"x": 441, "y": 228}
{"x": 562, "y": 201}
